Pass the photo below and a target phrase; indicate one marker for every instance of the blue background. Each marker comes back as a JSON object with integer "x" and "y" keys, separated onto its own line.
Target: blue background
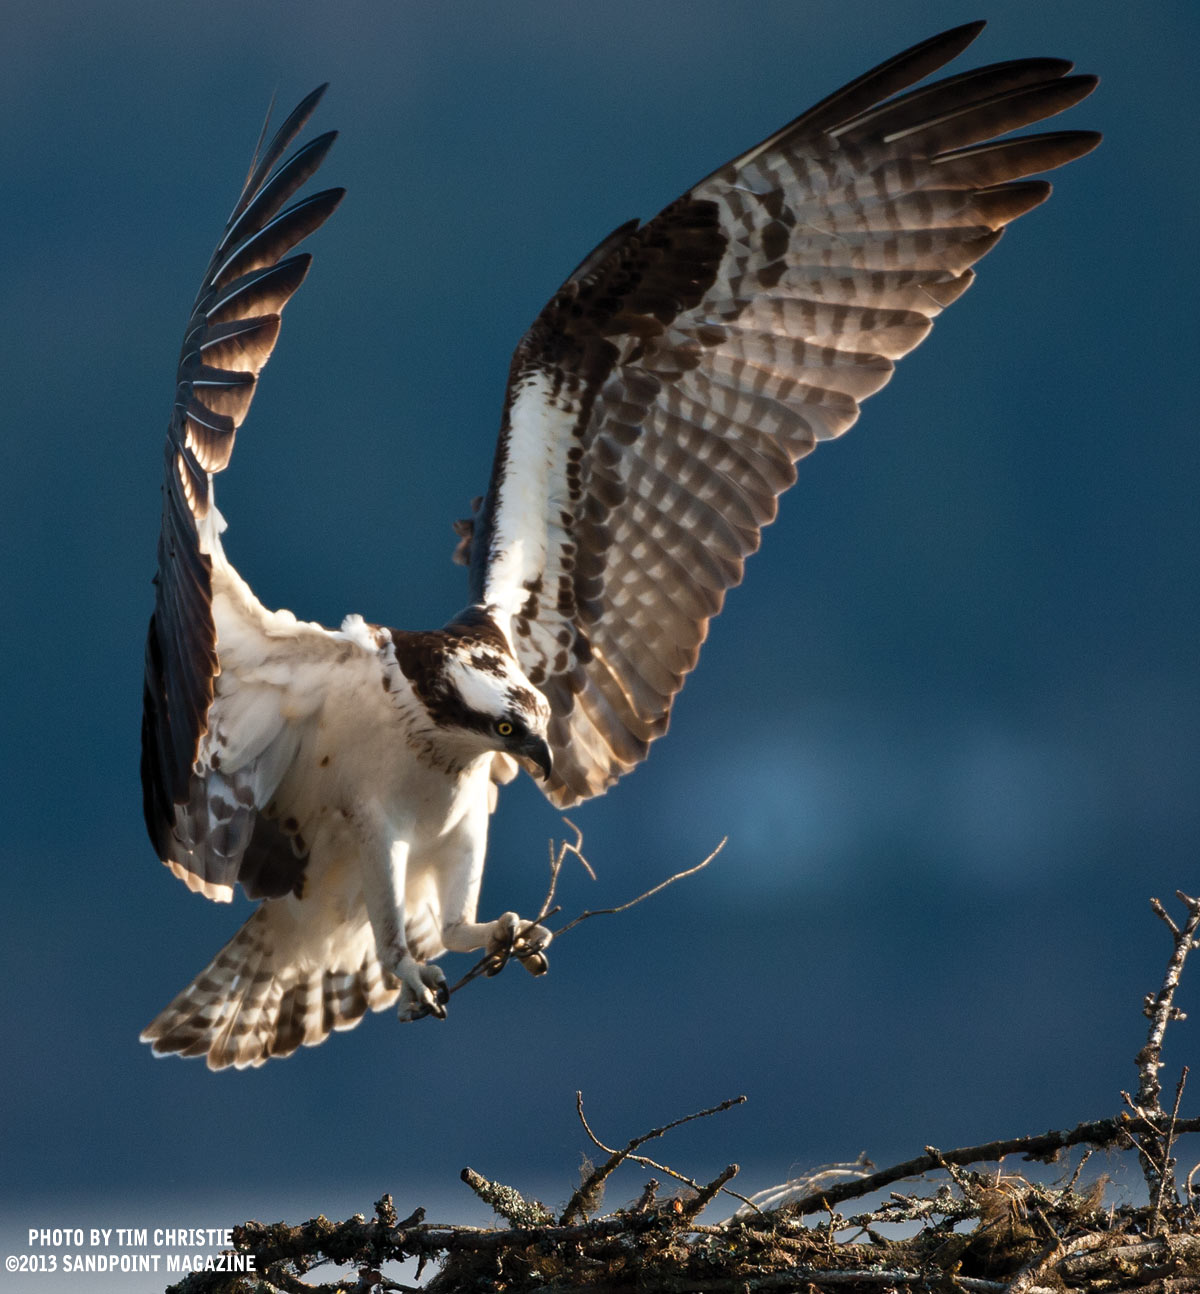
{"x": 951, "y": 724}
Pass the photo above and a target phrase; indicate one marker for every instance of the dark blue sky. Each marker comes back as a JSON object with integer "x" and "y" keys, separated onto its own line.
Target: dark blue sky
{"x": 951, "y": 724}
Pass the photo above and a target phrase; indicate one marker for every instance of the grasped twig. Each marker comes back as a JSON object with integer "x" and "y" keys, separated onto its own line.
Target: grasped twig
{"x": 617, "y": 1157}
{"x": 492, "y": 963}
{"x": 572, "y": 848}
{"x": 624, "y": 907}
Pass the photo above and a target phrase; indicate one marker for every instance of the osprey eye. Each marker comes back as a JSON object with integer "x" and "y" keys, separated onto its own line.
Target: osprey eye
{"x": 504, "y": 728}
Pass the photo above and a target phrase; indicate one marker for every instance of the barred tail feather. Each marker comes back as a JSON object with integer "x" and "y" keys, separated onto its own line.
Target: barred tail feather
{"x": 267, "y": 992}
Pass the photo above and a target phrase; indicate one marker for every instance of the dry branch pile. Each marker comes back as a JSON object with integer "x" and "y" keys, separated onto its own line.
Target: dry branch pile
{"x": 986, "y": 1230}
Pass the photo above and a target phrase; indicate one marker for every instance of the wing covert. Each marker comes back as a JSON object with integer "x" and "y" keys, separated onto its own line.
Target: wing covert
{"x": 658, "y": 406}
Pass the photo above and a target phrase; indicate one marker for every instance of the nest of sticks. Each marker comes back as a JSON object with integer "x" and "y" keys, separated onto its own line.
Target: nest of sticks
{"x": 963, "y": 1219}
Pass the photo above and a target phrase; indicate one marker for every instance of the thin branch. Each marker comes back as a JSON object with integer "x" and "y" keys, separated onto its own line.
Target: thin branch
{"x": 1131, "y": 1256}
{"x": 1033, "y": 1238}
{"x": 694, "y": 1207}
{"x": 775, "y": 1197}
{"x": 599, "y": 1175}
{"x": 649, "y": 1194}
{"x": 557, "y": 859}
{"x": 790, "y": 1279}
{"x": 951, "y": 1169}
{"x": 1087, "y": 1154}
{"x": 507, "y": 1202}
{"x": 1192, "y": 1188}
{"x": 1161, "y": 1009}
{"x": 1161, "y": 1006}
{"x": 1029, "y": 1276}
{"x": 1043, "y": 1146}
{"x": 1166, "y": 1171}
{"x": 624, "y": 907}
{"x": 289, "y": 1284}
{"x": 493, "y": 963}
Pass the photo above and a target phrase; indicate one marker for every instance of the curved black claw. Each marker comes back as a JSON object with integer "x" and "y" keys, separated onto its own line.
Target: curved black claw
{"x": 524, "y": 940}
{"x": 424, "y": 992}
{"x": 536, "y": 963}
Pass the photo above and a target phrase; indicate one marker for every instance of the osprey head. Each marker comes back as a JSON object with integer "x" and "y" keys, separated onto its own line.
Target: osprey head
{"x": 489, "y": 694}
{"x": 474, "y": 690}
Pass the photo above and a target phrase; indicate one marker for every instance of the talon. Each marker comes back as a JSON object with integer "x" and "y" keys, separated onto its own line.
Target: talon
{"x": 504, "y": 935}
{"x": 423, "y": 991}
{"x": 531, "y": 944}
{"x": 530, "y": 950}
{"x": 434, "y": 979}
{"x": 524, "y": 940}
{"x": 536, "y": 963}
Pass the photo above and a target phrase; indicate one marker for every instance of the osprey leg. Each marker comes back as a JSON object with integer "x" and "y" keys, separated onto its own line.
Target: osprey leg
{"x": 459, "y": 865}
{"x": 422, "y": 985}
{"x": 508, "y": 936}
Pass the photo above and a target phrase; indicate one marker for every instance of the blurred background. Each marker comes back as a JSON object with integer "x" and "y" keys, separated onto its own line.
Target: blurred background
{"x": 950, "y": 724}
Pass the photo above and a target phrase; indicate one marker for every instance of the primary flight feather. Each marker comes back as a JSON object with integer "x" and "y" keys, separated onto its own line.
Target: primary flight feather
{"x": 655, "y": 411}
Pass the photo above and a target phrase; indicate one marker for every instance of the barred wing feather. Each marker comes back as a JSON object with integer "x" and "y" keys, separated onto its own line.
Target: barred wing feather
{"x": 658, "y": 406}
{"x": 215, "y": 740}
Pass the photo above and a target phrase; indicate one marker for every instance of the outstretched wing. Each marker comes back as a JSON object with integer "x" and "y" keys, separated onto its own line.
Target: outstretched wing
{"x": 214, "y": 737}
{"x": 658, "y": 405}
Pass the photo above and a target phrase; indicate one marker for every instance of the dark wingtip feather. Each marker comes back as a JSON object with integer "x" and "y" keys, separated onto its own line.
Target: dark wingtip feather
{"x": 890, "y": 77}
{"x": 259, "y": 291}
{"x": 279, "y": 235}
{"x": 233, "y": 324}
{"x": 275, "y": 191}
{"x": 1083, "y": 141}
{"x": 264, "y": 160}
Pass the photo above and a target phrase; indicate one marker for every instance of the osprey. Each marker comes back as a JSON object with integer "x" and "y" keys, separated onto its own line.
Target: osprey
{"x": 655, "y": 411}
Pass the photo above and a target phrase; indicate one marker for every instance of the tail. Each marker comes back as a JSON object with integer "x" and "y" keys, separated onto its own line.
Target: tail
{"x": 275, "y": 986}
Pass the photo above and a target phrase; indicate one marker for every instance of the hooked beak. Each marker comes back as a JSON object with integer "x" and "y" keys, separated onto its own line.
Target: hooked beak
{"x": 535, "y": 749}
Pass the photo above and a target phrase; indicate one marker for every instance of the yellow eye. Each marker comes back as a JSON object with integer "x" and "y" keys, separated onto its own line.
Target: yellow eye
{"x": 504, "y": 728}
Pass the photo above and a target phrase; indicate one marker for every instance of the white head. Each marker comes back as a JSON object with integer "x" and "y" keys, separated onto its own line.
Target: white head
{"x": 476, "y": 692}
{"x": 498, "y": 701}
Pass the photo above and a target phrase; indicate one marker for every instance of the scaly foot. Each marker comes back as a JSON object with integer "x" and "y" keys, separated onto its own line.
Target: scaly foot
{"x": 513, "y": 937}
{"x": 422, "y": 989}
